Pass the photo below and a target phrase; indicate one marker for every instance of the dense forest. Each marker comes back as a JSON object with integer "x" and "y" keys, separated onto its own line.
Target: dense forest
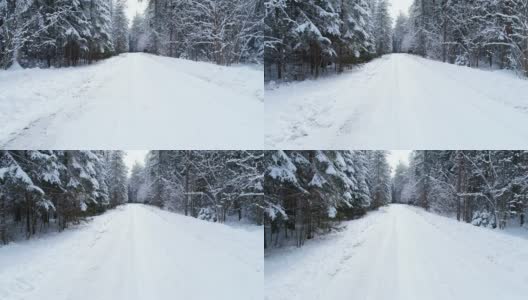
{"x": 307, "y": 38}
{"x": 49, "y": 190}
{"x": 210, "y": 185}
{"x": 66, "y": 33}
{"x": 61, "y": 33}
{"x": 485, "y": 188}
{"x": 221, "y": 31}
{"x": 470, "y": 33}
{"x": 309, "y": 192}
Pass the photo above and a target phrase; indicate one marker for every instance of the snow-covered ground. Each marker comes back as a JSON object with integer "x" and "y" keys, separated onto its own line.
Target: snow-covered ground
{"x": 132, "y": 101}
{"x": 405, "y": 253}
{"x": 400, "y": 101}
{"x": 136, "y": 252}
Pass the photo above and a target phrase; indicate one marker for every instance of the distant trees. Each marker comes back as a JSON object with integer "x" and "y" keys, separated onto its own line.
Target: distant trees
{"x": 485, "y": 188}
{"x": 209, "y": 185}
{"x": 399, "y": 181}
{"x": 136, "y": 183}
{"x": 308, "y": 192}
{"x": 52, "y": 189}
{"x": 221, "y": 31}
{"x": 60, "y": 33}
{"x": 400, "y": 33}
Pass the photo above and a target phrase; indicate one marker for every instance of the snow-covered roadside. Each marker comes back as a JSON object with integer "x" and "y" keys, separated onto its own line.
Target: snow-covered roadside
{"x": 402, "y": 252}
{"x": 136, "y": 252}
{"x": 400, "y": 101}
{"x": 130, "y": 101}
{"x": 27, "y": 95}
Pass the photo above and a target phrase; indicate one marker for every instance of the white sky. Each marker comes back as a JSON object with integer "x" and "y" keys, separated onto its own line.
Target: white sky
{"x": 395, "y": 156}
{"x": 135, "y": 6}
{"x": 399, "y": 5}
{"x": 134, "y": 155}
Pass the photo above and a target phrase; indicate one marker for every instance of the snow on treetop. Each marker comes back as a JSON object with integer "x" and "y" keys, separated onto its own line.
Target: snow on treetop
{"x": 283, "y": 170}
{"x": 317, "y": 181}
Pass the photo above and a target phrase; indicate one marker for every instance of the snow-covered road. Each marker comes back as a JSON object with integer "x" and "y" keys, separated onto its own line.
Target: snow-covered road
{"x": 400, "y": 101}
{"x": 402, "y": 253}
{"x": 136, "y": 252}
{"x": 132, "y": 101}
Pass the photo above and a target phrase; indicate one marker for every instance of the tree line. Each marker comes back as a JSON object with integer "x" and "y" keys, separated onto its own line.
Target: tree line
{"x": 211, "y": 185}
{"x": 307, "y": 38}
{"x": 220, "y": 31}
{"x": 49, "y": 190}
{"x": 485, "y": 188}
{"x": 61, "y": 32}
{"x": 467, "y": 32}
{"x": 309, "y": 192}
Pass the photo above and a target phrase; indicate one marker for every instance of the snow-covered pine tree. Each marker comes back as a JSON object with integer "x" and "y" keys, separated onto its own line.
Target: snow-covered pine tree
{"x": 383, "y": 27}
{"x": 399, "y": 33}
{"x": 117, "y": 178}
{"x": 56, "y": 33}
{"x": 101, "y": 44}
{"x": 120, "y": 27}
{"x": 44, "y": 189}
{"x": 379, "y": 179}
{"x": 307, "y": 192}
{"x": 137, "y": 37}
{"x": 399, "y": 181}
{"x": 306, "y": 37}
{"x": 136, "y": 182}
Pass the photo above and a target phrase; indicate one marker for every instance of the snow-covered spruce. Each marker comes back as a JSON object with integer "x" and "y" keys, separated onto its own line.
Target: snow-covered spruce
{"x": 307, "y": 38}
{"x": 47, "y": 190}
{"x": 308, "y": 192}
{"x": 60, "y": 33}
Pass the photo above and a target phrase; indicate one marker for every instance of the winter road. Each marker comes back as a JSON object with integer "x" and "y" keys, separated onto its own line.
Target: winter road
{"x": 136, "y": 252}
{"x": 402, "y": 253}
{"x": 400, "y": 101}
{"x": 131, "y": 101}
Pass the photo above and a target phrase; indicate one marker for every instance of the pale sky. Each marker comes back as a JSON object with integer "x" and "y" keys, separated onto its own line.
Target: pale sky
{"x": 399, "y": 5}
{"x": 395, "y": 156}
{"x": 134, "y": 155}
{"x": 134, "y": 6}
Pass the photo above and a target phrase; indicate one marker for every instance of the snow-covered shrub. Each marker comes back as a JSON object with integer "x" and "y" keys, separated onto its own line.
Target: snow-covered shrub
{"x": 483, "y": 219}
{"x": 462, "y": 60}
{"x": 208, "y": 214}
